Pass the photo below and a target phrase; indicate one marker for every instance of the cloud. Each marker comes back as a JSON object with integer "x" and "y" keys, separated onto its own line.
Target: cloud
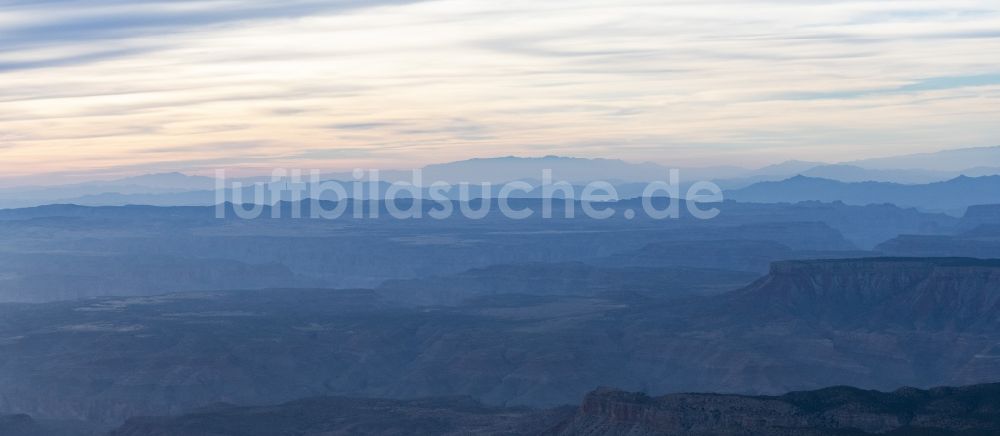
{"x": 950, "y": 82}
{"x": 335, "y": 153}
{"x": 98, "y": 22}
{"x": 102, "y": 85}
{"x": 929, "y": 84}
{"x": 363, "y": 126}
{"x": 67, "y": 60}
{"x": 75, "y": 20}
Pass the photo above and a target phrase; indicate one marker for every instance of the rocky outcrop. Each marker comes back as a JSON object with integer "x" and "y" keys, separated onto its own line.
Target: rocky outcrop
{"x": 832, "y": 411}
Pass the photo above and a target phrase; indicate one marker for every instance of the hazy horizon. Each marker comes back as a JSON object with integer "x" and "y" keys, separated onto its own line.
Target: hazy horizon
{"x": 127, "y": 88}
{"x": 70, "y": 178}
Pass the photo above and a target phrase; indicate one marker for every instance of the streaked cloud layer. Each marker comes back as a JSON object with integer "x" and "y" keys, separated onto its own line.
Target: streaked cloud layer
{"x": 114, "y": 87}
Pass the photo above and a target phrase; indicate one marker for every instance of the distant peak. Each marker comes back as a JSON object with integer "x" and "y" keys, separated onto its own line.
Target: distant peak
{"x": 801, "y": 178}
{"x": 965, "y": 178}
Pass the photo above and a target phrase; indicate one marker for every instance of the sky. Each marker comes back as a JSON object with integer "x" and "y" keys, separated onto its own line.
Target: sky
{"x": 99, "y": 88}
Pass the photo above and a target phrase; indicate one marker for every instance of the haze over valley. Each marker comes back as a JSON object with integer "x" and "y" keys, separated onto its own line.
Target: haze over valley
{"x": 518, "y": 218}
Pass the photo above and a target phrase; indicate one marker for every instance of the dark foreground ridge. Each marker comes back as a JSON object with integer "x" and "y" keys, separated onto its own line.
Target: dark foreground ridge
{"x": 971, "y": 410}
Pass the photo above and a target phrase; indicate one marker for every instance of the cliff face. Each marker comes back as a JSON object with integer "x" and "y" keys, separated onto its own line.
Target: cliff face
{"x": 923, "y": 294}
{"x": 978, "y": 215}
{"x": 832, "y": 411}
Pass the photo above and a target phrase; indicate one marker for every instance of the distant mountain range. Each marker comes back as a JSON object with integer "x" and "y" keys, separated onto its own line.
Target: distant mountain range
{"x": 176, "y": 189}
{"x": 141, "y": 188}
{"x": 909, "y": 169}
{"x": 504, "y": 169}
{"x": 947, "y": 160}
{"x": 852, "y": 173}
{"x": 952, "y": 196}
